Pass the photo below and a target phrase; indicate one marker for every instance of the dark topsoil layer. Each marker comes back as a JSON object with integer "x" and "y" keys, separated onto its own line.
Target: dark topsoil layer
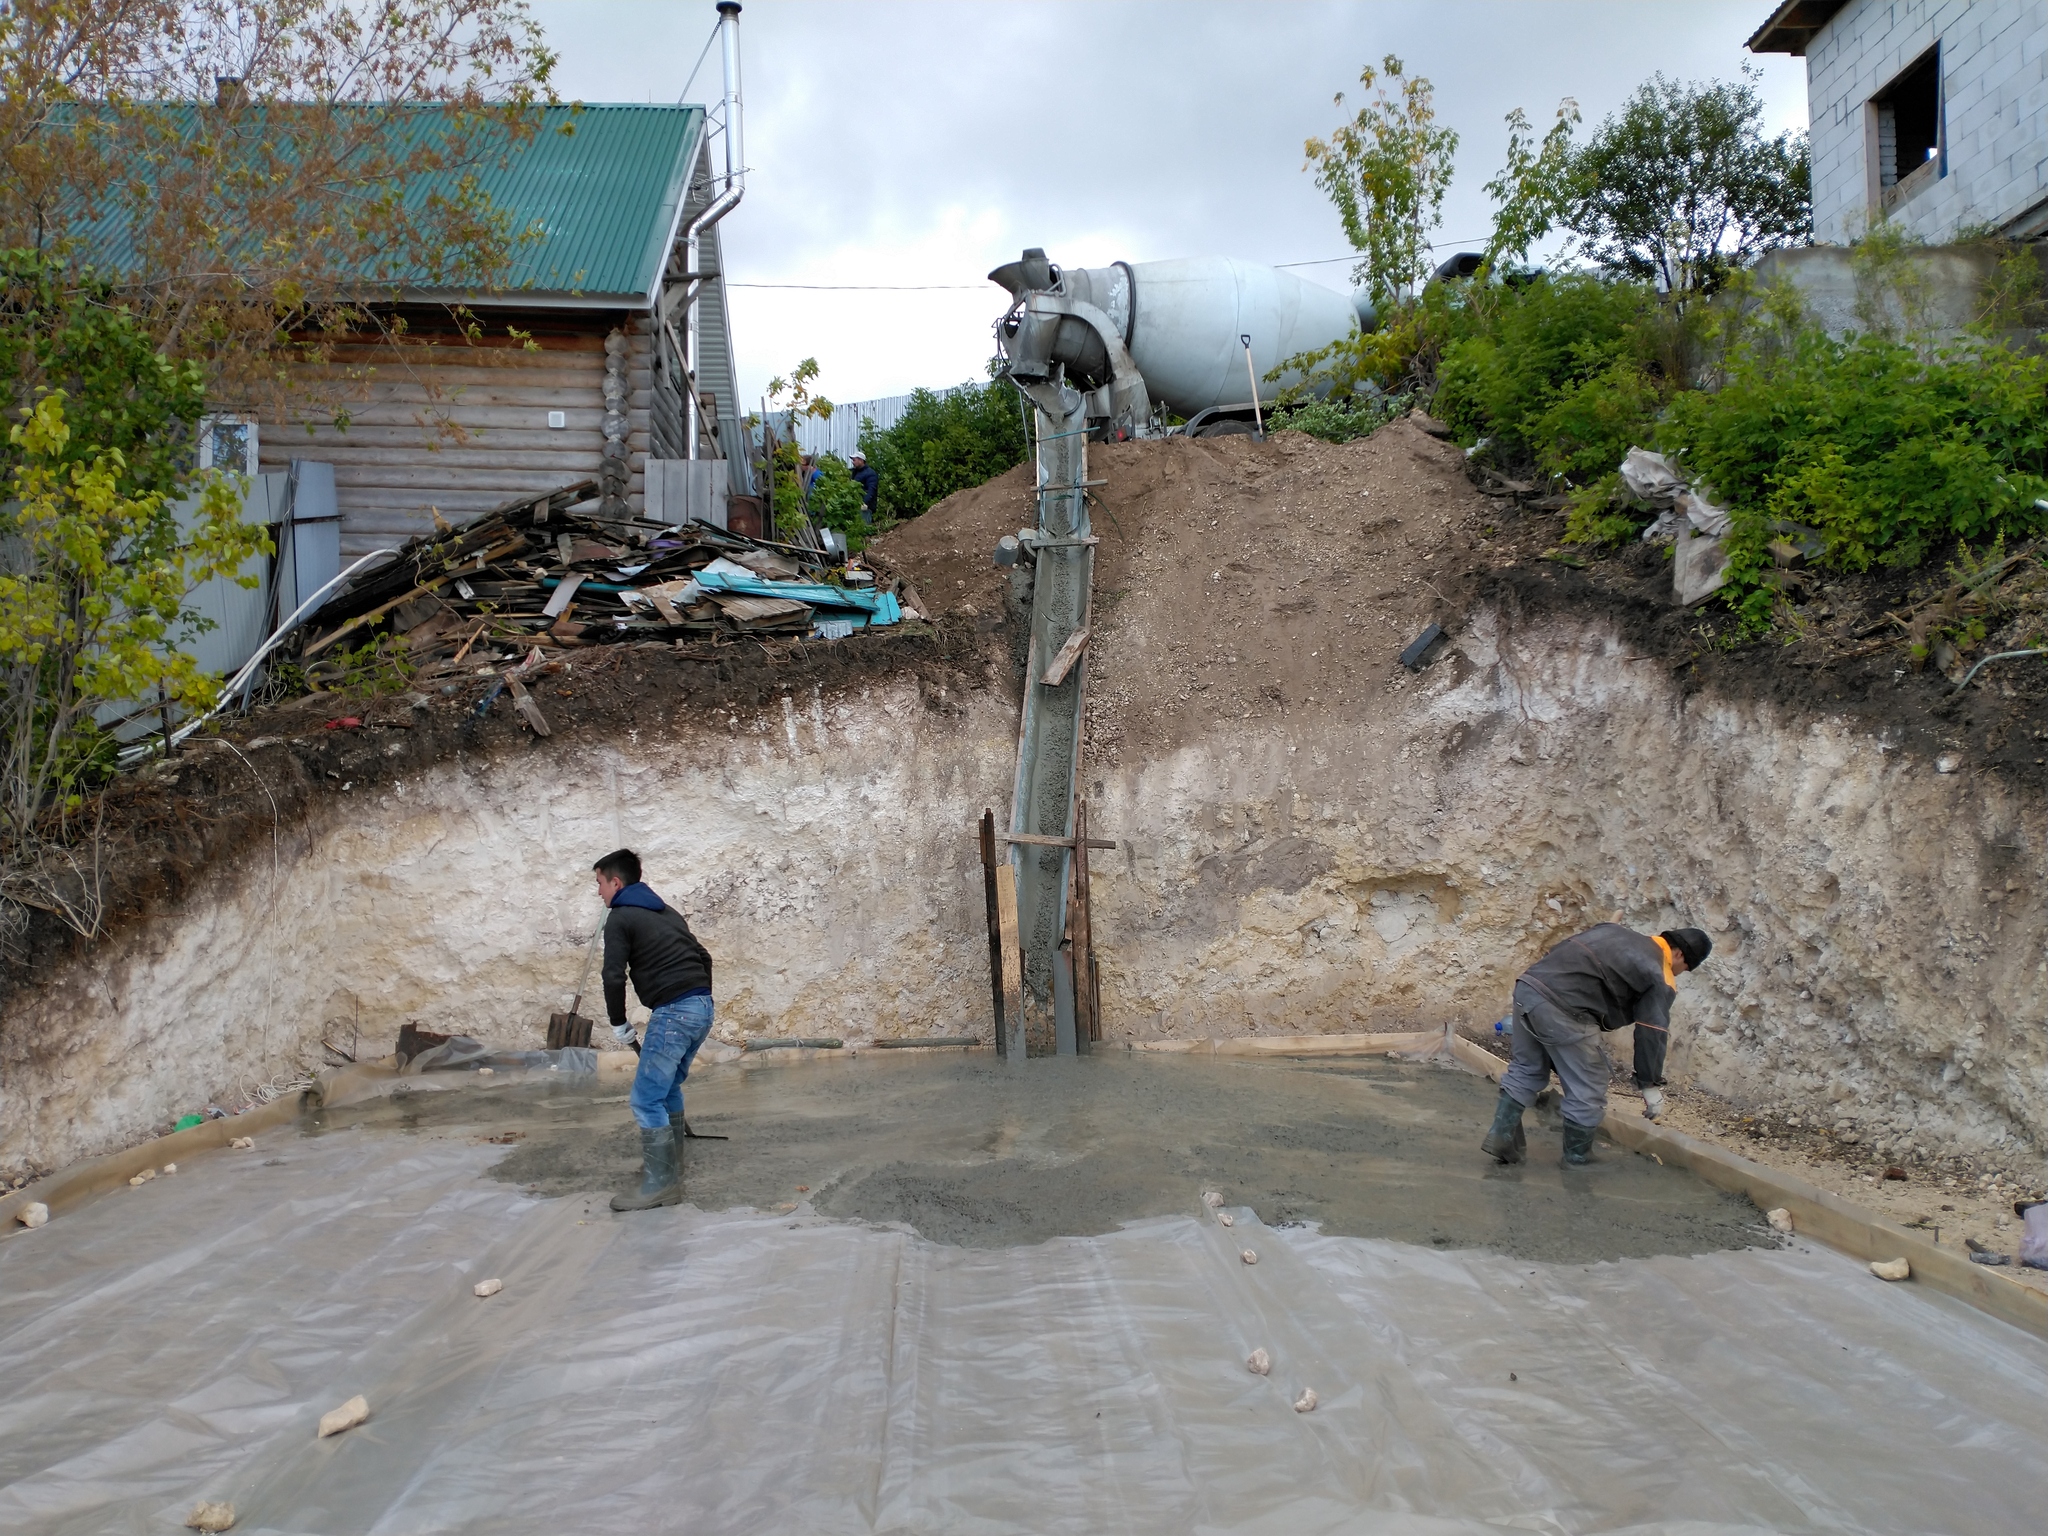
{"x": 968, "y": 1151}
{"x": 1236, "y": 579}
{"x": 165, "y": 825}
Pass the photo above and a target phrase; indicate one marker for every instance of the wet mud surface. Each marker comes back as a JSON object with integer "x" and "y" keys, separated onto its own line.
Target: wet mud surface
{"x": 967, "y": 1151}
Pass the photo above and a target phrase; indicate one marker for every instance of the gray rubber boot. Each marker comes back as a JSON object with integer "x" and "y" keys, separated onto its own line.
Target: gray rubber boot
{"x": 1505, "y": 1139}
{"x": 660, "y": 1181}
{"x": 1578, "y": 1144}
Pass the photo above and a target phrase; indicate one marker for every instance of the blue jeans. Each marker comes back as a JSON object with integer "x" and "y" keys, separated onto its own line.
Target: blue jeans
{"x": 667, "y": 1047}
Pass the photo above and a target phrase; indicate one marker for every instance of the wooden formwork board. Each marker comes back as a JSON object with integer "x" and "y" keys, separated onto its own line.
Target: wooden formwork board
{"x": 1816, "y": 1214}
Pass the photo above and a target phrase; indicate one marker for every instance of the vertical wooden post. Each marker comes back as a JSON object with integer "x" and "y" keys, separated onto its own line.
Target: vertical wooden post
{"x": 995, "y": 924}
{"x": 1012, "y": 961}
{"x": 1087, "y": 1025}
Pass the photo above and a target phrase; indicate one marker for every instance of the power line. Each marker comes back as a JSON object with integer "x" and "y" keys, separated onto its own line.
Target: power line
{"x": 1322, "y": 261}
{"x": 874, "y": 287}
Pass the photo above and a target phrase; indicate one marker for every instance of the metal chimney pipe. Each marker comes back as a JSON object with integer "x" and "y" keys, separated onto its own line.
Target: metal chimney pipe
{"x": 729, "y": 50}
{"x": 728, "y": 198}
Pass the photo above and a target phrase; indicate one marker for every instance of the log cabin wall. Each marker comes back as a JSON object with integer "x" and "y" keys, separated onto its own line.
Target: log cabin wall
{"x": 443, "y": 422}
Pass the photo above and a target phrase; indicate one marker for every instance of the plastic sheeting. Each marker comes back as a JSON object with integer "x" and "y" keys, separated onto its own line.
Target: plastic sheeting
{"x": 750, "y": 1372}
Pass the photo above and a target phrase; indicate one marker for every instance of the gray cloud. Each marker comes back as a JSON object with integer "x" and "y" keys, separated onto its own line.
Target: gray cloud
{"x": 907, "y": 143}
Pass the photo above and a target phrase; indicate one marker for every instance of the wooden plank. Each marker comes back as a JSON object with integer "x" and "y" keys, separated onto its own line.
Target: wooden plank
{"x": 404, "y": 597}
{"x": 1087, "y": 1027}
{"x": 523, "y": 702}
{"x": 1042, "y": 840}
{"x": 1068, "y": 654}
{"x": 422, "y": 418}
{"x": 1012, "y": 955}
{"x": 429, "y": 482}
{"x": 1392, "y": 1043}
{"x": 1842, "y": 1225}
{"x": 989, "y": 859}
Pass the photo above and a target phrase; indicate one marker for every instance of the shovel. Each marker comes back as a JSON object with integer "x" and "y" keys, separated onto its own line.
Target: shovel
{"x": 571, "y": 1028}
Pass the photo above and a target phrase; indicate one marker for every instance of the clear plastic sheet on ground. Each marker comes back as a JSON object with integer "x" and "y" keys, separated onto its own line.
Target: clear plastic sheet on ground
{"x": 775, "y": 1372}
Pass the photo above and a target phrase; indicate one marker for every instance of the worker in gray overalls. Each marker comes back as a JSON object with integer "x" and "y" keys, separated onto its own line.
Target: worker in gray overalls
{"x": 1608, "y": 977}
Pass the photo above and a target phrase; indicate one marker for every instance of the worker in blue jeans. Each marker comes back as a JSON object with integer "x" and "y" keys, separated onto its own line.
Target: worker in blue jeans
{"x": 647, "y": 939}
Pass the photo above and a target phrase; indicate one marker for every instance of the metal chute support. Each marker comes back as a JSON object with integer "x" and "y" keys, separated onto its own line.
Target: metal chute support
{"x": 1100, "y": 350}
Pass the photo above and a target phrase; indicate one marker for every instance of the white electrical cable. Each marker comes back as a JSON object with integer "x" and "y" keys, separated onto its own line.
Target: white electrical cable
{"x": 143, "y": 749}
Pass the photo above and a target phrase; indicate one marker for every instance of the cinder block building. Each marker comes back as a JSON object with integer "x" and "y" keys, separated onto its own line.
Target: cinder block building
{"x": 1933, "y": 113}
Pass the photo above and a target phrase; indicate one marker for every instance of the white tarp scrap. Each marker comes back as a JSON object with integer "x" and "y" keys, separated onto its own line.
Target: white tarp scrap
{"x": 1656, "y": 482}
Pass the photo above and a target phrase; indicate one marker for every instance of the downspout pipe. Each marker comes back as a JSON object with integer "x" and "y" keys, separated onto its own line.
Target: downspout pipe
{"x": 734, "y": 187}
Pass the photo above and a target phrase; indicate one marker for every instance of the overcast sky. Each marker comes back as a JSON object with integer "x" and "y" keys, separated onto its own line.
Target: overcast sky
{"x": 924, "y": 143}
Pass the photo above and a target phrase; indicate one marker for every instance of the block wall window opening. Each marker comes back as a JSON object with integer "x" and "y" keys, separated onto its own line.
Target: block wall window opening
{"x": 557, "y": 420}
{"x": 1909, "y": 138}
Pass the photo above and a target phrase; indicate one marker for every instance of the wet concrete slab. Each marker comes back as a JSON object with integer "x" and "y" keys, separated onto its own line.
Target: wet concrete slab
{"x": 966, "y": 1150}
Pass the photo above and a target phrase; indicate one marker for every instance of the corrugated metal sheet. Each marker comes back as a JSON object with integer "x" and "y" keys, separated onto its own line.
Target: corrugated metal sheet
{"x": 840, "y": 432}
{"x": 603, "y": 195}
{"x": 598, "y": 184}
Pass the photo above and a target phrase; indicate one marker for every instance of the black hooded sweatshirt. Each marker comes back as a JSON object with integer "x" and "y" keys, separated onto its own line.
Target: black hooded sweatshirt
{"x": 648, "y": 938}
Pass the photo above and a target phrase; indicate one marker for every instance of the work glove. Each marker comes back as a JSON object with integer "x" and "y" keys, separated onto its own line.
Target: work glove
{"x": 623, "y": 1033}
{"x": 1653, "y": 1102}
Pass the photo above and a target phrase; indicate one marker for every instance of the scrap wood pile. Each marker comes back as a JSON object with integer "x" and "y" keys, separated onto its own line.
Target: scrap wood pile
{"x": 542, "y": 572}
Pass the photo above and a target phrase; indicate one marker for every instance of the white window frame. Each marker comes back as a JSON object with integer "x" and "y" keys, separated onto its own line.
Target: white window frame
{"x": 207, "y": 426}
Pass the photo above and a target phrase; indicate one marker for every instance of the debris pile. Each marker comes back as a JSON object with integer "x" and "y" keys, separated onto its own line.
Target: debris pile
{"x": 541, "y": 572}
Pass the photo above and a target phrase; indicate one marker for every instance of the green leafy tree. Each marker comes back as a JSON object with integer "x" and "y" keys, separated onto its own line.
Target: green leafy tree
{"x": 837, "y": 500}
{"x": 248, "y": 171}
{"x": 798, "y": 398}
{"x": 1682, "y": 186}
{"x": 1387, "y": 171}
{"x": 94, "y": 603}
{"x": 1534, "y": 188}
{"x": 944, "y": 443}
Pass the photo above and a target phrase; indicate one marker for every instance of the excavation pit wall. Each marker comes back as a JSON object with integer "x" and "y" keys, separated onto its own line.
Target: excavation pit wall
{"x": 1878, "y": 962}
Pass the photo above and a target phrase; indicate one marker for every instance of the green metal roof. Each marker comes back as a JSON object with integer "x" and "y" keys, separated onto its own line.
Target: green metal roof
{"x": 602, "y": 186}
{"x": 598, "y": 186}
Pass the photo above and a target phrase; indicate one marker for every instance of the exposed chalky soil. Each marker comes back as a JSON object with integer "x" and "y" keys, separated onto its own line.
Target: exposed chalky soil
{"x": 967, "y": 1150}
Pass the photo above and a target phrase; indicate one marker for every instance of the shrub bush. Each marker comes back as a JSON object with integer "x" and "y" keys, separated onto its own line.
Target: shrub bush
{"x": 1892, "y": 451}
{"x": 945, "y": 443}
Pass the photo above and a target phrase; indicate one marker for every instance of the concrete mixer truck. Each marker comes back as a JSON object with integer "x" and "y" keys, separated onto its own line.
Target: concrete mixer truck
{"x": 1105, "y": 353}
{"x": 1194, "y": 337}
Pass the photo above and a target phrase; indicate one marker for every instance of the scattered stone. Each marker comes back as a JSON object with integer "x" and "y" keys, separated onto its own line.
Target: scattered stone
{"x": 1780, "y": 1219}
{"x": 489, "y": 1287}
{"x": 208, "y": 1516}
{"x": 170, "y": 1167}
{"x": 1891, "y": 1269}
{"x": 142, "y": 1178}
{"x": 1249, "y": 1257}
{"x": 1211, "y": 1199}
{"x": 243, "y": 1144}
{"x": 1948, "y": 762}
{"x": 1306, "y": 1403}
{"x": 1224, "y": 1218}
{"x": 486, "y": 1071}
{"x": 37, "y": 1214}
{"x": 1896, "y": 1173}
{"x": 1260, "y": 1363}
{"x": 347, "y": 1416}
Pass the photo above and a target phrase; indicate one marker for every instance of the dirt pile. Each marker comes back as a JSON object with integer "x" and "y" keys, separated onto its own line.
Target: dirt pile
{"x": 1250, "y": 581}
{"x": 1236, "y": 580}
